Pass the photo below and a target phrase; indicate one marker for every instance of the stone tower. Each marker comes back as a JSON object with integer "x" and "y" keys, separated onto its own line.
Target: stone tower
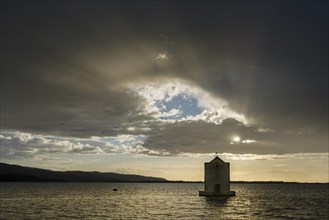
{"x": 217, "y": 178}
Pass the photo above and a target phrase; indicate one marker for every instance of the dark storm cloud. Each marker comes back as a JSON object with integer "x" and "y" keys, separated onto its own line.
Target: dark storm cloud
{"x": 202, "y": 137}
{"x": 65, "y": 66}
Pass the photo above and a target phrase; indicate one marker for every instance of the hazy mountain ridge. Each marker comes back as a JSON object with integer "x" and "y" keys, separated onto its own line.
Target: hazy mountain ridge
{"x": 17, "y": 173}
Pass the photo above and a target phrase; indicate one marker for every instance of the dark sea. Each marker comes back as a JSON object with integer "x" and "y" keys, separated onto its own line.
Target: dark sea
{"x": 161, "y": 201}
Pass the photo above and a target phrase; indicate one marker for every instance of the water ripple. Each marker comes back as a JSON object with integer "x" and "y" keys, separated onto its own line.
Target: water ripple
{"x": 160, "y": 201}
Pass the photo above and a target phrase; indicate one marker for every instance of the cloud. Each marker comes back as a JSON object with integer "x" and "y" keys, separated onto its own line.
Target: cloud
{"x": 159, "y": 138}
{"x": 202, "y": 137}
{"x": 248, "y": 141}
{"x": 161, "y": 98}
{"x": 110, "y": 83}
{"x": 162, "y": 56}
{"x": 20, "y": 145}
{"x": 231, "y": 156}
{"x": 264, "y": 130}
{"x": 310, "y": 156}
{"x": 184, "y": 138}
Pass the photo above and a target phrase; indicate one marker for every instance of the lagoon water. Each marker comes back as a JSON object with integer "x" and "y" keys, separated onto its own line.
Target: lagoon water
{"x": 161, "y": 201}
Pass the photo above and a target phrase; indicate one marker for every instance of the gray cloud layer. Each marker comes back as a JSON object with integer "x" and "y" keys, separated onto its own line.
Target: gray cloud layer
{"x": 66, "y": 67}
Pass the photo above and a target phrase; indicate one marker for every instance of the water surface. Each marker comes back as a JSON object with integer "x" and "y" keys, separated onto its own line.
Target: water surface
{"x": 161, "y": 201}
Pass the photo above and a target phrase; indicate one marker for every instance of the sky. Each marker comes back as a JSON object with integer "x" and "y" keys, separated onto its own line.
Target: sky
{"x": 157, "y": 88}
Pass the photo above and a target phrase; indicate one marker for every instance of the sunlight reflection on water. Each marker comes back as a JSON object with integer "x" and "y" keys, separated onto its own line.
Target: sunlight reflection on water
{"x": 160, "y": 201}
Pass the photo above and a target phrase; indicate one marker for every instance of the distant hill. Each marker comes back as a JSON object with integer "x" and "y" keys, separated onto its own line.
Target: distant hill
{"x": 15, "y": 173}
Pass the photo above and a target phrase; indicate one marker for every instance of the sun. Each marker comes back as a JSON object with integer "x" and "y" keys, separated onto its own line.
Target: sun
{"x": 236, "y": 139}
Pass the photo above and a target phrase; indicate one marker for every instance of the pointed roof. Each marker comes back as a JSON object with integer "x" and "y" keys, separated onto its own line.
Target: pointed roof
{"x": 217, "y": 159}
